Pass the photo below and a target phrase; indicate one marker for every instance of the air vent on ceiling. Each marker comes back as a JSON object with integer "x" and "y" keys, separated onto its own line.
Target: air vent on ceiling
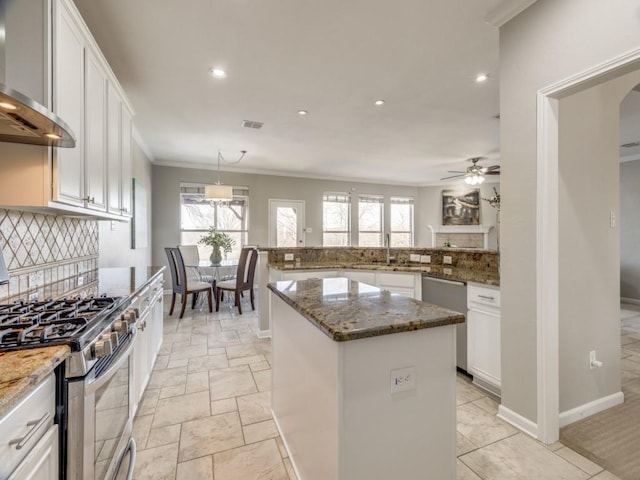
{"x": 631, "y": 144}
{"x": 252, "y": 124}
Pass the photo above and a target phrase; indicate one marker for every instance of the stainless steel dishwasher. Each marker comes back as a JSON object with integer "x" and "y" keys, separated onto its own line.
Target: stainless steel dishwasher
{"x": 451, "y": 294}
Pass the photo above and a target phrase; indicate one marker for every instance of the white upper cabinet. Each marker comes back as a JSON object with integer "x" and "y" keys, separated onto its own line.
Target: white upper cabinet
{"x": 97, "y": 173}
{"x": 94, "y": 178}
{"x": 114, "y": 115}
{"x": 68, "y": 103}
{"x": 95, "y": 133}
{"x": 126, "y": 173}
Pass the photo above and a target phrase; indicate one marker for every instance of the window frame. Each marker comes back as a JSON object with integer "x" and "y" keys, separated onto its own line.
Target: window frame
{"x": 377, "y": 199}
{"x": 240, "y": 197}
{"x": 346, "y": 200}
{"x": 402, "y": 200}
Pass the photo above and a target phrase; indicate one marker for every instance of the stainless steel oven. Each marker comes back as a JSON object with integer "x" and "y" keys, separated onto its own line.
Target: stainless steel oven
{"x": 99, "y": 423}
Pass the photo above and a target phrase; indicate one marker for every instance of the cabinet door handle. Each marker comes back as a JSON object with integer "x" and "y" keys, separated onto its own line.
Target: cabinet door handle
{"x": 486, "y": 297}
{"x": 35, "y": 424}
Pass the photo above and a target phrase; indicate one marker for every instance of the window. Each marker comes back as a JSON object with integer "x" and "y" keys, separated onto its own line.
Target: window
{"x": 370, "y": 214}
{"x": 336, "y": 219}
{"x": 401, "y": 222}
{"x": 198, "y": 215}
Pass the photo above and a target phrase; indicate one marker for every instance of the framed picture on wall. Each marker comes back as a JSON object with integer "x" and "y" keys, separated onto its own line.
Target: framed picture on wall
{"x": 461, "y": 207}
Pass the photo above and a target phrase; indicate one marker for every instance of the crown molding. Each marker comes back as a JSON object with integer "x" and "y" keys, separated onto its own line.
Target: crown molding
{"x": 506, "y": 11}
{"x": 141, "y": 143}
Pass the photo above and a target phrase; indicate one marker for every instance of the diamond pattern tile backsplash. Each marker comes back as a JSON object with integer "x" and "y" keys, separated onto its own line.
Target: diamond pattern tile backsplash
{"x": 42, "y": 252}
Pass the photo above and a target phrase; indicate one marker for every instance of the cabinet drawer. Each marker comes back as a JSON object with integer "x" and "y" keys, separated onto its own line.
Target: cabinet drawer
{"x": 483, "y": 295}
{"x": 396, "y": 280}
{"x": 25, "y": 424}
{"x": 360, "y": 276}
{"x": 307, "y": 274}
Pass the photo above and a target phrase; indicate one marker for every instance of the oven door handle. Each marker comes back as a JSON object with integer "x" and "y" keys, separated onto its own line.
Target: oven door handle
{"x": 92, "y": 386}
{"x": 131, "y": 448}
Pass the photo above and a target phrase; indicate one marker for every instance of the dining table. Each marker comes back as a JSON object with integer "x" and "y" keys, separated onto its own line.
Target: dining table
{"x": 225, "y": 270}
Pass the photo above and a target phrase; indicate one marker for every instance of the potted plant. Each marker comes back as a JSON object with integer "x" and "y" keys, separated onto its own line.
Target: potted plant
{"x": 217, "y": 241}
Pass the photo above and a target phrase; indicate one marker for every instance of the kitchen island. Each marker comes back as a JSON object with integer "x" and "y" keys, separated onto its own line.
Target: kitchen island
{"x": 363, "y": 381}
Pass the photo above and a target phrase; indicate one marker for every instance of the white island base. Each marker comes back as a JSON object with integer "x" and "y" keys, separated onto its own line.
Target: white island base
{"x": 334, "y": 409}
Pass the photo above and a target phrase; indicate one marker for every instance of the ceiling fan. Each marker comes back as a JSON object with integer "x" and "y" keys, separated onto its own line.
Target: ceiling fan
{"x": 475, "y": 173}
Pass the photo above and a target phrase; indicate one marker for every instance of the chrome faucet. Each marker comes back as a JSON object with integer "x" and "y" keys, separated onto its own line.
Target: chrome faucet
{"x": 390, "y": 259}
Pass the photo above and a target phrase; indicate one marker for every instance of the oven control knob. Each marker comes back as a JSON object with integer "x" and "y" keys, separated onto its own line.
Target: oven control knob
{"x": 101, "y": 348}
{"x": 120, "y": 327}
{"x": 112, "y": 337}
{"x": 129, "y": 316}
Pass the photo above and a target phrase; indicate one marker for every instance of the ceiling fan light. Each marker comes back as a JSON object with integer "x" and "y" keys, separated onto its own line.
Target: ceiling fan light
{"x": 218, "y": 192}
{"x": 480, "y": 179}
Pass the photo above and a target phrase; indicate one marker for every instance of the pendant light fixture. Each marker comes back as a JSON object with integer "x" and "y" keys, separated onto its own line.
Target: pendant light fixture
{"x": 219, "y": 192}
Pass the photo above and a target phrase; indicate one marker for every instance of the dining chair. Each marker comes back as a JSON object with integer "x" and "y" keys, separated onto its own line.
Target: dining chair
{"x": 191, "y": 257}
{"x": 244, "y": 279}
{"x": 182, "y": 285}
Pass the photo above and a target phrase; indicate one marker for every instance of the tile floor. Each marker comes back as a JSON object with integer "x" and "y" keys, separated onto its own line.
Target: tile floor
{"x": 205, "y": 415}
{"x": 630, "y": 341}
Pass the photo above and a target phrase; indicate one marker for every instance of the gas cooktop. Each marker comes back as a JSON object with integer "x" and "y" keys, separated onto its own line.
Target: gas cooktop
{"x": 74, "y": 322}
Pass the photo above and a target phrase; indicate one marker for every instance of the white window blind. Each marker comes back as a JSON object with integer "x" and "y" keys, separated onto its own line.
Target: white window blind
{"x": 336, "y": 219}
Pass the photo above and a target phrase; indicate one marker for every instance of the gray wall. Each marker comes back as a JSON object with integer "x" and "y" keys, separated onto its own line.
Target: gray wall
{"x": 630, "y": 230}
{"x": 430, "y": 206}
{"x": 590, "y": 290}
{"x": 166, "y": 202}
{"x": 548, "y": 42}
{"x": 115, "y": 237}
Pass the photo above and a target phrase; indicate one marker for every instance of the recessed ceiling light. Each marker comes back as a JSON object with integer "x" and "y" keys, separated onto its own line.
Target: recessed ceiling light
{"x": 302, "y": 112}
{"x": 8, "y": 106}
{"x": 218, "y": 73}
{"x": 482, "y": 77}
{"x": 379, "y": 102}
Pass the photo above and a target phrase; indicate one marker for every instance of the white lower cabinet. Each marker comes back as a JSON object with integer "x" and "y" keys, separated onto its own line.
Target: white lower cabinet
{"x": 403, "y": 283}
{"x": 42, "y": 461}
{"x": 29, "y": 438}
{"x": 149, "y": 339}
{"x": 483, "y": 336}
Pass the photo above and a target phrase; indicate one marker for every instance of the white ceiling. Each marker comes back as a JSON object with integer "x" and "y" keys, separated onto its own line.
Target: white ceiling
{"x": 332, "y": 58}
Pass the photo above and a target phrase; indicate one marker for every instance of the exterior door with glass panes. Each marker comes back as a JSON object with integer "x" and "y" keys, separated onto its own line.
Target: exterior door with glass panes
{"x": 286, "y": 223}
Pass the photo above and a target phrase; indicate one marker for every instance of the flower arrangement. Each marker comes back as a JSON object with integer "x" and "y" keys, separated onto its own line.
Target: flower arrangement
{"x": 217, "y": 240}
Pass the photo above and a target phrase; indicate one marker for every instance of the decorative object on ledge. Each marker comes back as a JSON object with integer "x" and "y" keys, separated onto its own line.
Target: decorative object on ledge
{"x": 219, "y": 192}
{"x": 495, "y": 200}
{"x": 460, "y": 229}
{"x": 218, "y": 241}
{"x": 461, "y": 207}
{"x": 495, "y": 203}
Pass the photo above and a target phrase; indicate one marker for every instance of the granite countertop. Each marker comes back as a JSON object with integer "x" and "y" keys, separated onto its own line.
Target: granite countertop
{"x": 125, "y": 281}
{"x": 438, "y": 271}
{"x": 348, "y": 310}
{"x": 22, "y": 370}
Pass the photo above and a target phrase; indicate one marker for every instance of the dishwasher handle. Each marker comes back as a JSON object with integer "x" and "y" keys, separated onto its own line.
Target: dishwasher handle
{"x": 458, "y": 283}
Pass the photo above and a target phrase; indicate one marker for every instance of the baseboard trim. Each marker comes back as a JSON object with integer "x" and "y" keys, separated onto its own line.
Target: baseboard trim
{"x": 635, "y": 301}
{"x": 518, "y": 421}
{"x": 264, "y": 333}
{"x": 286, "y": 445}
{"x": 583, "y": 411}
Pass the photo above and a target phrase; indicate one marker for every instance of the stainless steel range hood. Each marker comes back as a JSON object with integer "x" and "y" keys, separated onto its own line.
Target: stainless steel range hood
{"x": 23, "y": 119}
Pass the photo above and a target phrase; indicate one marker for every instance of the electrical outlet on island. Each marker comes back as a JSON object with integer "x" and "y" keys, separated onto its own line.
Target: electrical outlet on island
{"x": 447, "y": 260}
{"x": 403, "y": 379}
{"x": 288, "y": 257}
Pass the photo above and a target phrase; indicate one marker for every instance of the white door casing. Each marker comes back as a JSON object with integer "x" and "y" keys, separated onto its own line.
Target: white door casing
{"x": 286, "y": 223}
{"x": 547, "y": 249}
